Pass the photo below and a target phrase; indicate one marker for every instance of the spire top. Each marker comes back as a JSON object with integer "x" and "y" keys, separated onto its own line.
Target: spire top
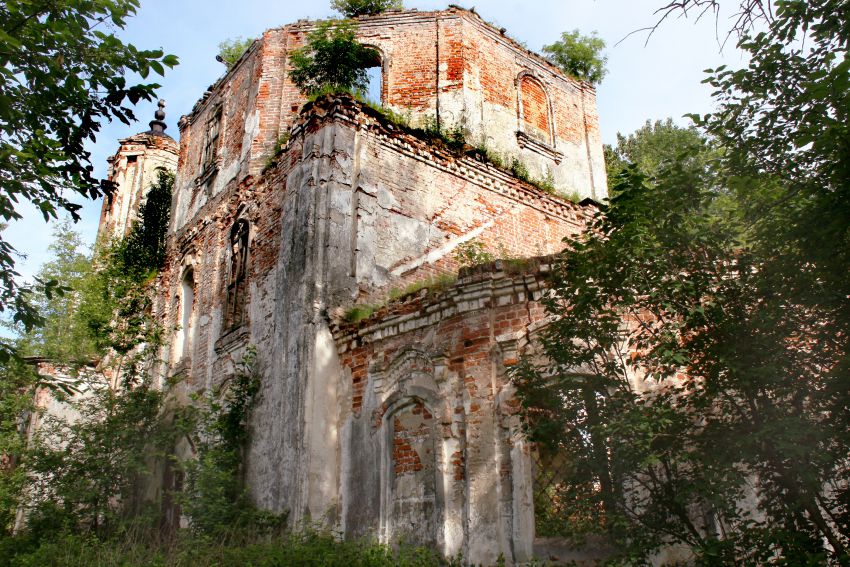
{"x": 158, "y": 125}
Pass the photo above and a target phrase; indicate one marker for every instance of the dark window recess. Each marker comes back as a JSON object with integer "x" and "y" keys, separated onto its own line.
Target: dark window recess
{"x": 211, "y": 141}
{"x": 237, "y": 278}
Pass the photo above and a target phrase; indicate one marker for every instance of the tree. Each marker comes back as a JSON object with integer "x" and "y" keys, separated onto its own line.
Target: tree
{"x": 230, "y": 50}
{"x": 332, "y": 59}
{"x": 651, "y": 146}
{"x": 354, "y": 8}
{"x": 704, "y": 352}
{"x": 64, "y": 337}
{"x": 62, "y": 74}
{"x": 579, "y": 56}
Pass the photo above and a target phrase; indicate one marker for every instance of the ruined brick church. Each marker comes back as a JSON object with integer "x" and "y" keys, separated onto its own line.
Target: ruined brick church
{"x": 288, "y": 215}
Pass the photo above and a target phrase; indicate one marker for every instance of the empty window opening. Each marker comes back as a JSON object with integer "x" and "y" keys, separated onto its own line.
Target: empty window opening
{"x": 211, "y": 136}
{"x": 183, "y": 342}
{"x": 375, "y": 78}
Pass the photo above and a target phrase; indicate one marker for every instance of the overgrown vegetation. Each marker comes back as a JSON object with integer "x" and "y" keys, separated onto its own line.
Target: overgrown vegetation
{"x": 230, "y": 50}
{"x": 434, "y": 284}
{"x": 58, "y": 62}
{"x": 354, "y": 8}
{"x": 83, "y": 480}
{"x": 579, "y": 56}
{"x": 215, "y": 497}
{"x": 332, "y": 59}
{"x": 697, "y": 370}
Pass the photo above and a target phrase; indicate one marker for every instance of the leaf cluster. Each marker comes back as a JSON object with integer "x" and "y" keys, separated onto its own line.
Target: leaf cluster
{"x": 332, "y": 59}
{"x": 579, "y": 56}
{"x": 62, "y": 74}
{"x": 354, "y": 8}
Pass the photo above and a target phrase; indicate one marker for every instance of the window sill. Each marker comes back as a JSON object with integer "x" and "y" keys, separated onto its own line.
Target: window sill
{"x": 232, "y": 339}
{"x": 527, "y": 142}
{"x": 207, "y": 175}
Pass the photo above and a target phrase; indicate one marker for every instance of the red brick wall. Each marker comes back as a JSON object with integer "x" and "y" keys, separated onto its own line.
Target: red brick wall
{"x": 535, "y": 109}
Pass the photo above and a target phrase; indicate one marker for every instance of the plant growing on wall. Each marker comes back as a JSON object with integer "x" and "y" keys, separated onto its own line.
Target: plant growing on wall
{"x": 332, "y": 60}
{"x": 354, "y": 8}
{"x": 579, "y": 56}
{"x": 230, "y": 50}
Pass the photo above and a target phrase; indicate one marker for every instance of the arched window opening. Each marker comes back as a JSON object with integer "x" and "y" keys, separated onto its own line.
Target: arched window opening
{"x": 413, "y": 476}
{"x": 183, "y": 344}
{"x": 534, "y": 110}
{"x": 375, "y": 78}
{"x": 237, "y": 276}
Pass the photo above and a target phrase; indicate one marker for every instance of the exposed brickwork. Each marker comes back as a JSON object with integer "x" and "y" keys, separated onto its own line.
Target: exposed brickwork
{"x": 404, "y": 425}
{"x": 408, "y": 441}
{"x": 535, "y": 108}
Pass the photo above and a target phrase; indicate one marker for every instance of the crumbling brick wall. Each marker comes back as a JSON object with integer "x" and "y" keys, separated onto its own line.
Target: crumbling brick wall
{"x": 448, "y": 66}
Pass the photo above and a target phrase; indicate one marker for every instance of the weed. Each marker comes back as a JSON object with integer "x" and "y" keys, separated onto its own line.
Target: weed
{"x": 472, "y": 253}
{"x": 358, "y": 313}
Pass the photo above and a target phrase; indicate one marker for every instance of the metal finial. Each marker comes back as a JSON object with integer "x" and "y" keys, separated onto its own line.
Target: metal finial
{"x": 158, "y": 125}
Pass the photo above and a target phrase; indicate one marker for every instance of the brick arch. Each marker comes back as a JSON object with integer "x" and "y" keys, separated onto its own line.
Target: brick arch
{"x": 382, "y": 62}
{"x": 411, "y": 503}
{"x": 535, "y": 108}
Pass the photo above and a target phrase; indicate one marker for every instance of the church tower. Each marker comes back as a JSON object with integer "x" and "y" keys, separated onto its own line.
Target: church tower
{"x": 132, "y": 170}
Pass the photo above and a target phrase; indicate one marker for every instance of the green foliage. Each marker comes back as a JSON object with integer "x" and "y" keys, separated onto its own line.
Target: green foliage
{"x": 230, "y": 50}
{"x": 433, "y": 284}
{"x": 82, "y": 472}
{"x": 215, "y": 499}
{"x": 705, "y": 349}
{"x": 332, "y": 59}
{"x": 62, "y": 74}
{"x": 579, "y": 56}
{"x": 354, "y": 8}
{"x": 654, "y": 145}
{"x": 63, "y": 337}
{"x": 454, "y": 138}
{"x": 16, "y": 403}
{"x": 143, "y": 250}
{"x": 472, "y": 253}
{"x": 308, "y": 548}
{"x": 357, "y": 313}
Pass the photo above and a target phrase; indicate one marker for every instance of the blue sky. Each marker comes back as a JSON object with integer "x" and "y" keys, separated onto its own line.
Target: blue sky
{"x": 654, "y": 81}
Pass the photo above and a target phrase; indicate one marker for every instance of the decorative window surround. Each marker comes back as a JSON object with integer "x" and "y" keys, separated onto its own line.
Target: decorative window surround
{"x": 527, "y": 142}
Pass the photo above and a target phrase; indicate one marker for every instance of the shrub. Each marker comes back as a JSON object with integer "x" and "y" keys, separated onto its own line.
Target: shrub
{"x": 230, "y": 50}
{"x": 472, "y": 253}
{"x": 332, "y": 59}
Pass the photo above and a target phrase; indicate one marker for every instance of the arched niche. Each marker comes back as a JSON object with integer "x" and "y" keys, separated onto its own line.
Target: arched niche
{"x": 412, "y": 464}
{"x": 536, "y": 118}
{"x": 185, "y": 308}
{"x": 237, "y": 275}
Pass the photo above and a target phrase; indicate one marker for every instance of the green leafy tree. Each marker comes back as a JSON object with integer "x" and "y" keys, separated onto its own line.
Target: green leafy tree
{"x": 652, "y": 146}
{"x": 62, "y": 74}
{"x": 64, "y": 337}
{"x": 704, "y": 357}
{"x": 16, "y": 404}
{"x": 354, "y": 8}
{"x": 579, "y": 56}
{"x": 332, "y": 60}
{"x": 230, "y": 50}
